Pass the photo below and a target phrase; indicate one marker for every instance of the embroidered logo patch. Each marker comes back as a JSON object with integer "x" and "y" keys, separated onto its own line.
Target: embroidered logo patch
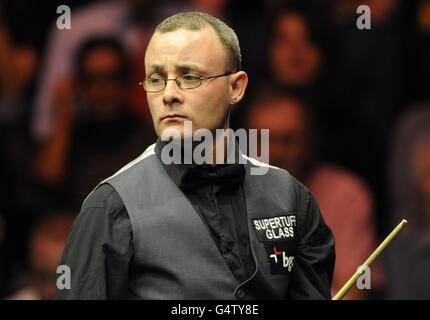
{"x": 275, "y": 228}
{"x": 278, "y": 237}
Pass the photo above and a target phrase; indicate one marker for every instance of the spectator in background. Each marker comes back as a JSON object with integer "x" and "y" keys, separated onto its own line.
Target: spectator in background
{"x": 367, "y": 86}
{"x": 411, "y": 128}
{"x": 346, "y": 202}
{"x": 130, "y": 22}
{"x": 81, "y": 152}
{"x": 18, "y": 63}
{"x": 407, "y": 258}
{"x": 419, "y": 50}
{"x": 294, "y": 59}
{"x": 19, "y": 198}
{"x": 46, "y": 244}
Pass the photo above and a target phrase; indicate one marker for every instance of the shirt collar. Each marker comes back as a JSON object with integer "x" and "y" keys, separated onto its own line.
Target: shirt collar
{"x": 177, "y": 171}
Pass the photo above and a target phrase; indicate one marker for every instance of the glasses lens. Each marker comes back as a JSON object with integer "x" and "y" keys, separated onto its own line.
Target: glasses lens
{"x": 189, "y": 81}
{"x": 154, "y": 84}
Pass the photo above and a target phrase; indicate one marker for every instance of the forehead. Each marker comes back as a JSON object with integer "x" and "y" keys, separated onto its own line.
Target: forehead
{"x": 101, "y": 58}
{"x": 279, "y": 116}
{"x": 291, "y": 24}
{"x": 199, "y": 48}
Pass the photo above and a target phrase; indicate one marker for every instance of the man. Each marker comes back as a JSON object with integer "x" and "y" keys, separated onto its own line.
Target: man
{"x": 187, "y": 231}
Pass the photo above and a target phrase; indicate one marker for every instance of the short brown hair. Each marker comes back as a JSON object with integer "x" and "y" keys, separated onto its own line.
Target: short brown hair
{"x": 196, "y": 21}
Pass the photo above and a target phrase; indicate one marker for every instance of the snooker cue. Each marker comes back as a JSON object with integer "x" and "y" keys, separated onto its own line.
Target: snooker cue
{"x": 342, "y": 292}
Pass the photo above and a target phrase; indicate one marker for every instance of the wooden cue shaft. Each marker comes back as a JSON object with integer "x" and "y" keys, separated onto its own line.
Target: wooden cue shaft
{"x": 342, "y": 292}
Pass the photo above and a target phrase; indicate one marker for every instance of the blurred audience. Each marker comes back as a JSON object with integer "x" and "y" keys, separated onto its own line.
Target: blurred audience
{"x": 407, "y": 259}
{"x": 18, "y": 65}
{"x": 213, "y": 7}
{"x": 367, "y": 89}
{"x": 81, "y": 152}
{"x": 418, "y": 58}
{"x": 411, "y": 129}
{"x": 345, "y": 201}
{"x": 46, "y": 245}
{"x": 130, "y": 22}
{"x": 17, "y": 68}
{"x": 292, "y": 57}
{"x": 19, "y": 197}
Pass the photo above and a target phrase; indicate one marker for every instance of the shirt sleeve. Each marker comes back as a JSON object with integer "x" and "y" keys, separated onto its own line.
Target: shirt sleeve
{"x": 99, "y": 249}
{"x": 314, "y": 261}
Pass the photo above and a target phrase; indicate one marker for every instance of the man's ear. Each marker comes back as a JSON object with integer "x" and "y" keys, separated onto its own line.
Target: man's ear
{"x": 238, "y": 83}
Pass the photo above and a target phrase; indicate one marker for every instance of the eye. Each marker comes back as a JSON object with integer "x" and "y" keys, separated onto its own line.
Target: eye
{"x": 190, "y": 77}
{"x": 155, "y": 80}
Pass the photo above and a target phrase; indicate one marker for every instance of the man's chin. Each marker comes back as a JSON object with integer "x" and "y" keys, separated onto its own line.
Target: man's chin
{"x": 174, "y": 132}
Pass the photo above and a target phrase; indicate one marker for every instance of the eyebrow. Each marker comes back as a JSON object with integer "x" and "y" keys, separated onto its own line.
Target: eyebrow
{"x": 185, "y": 67}
{"x": 188, "y": 67}
{"x": 156, "y": 68}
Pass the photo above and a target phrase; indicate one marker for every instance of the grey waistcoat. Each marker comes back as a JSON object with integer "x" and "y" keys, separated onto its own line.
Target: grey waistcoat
{"x": 175, "y": 256}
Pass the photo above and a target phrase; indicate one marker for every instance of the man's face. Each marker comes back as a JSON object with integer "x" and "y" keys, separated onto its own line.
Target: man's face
{"x": 180, "y": 52}
{"x": 285, "y": 119}
{"x": 294, "y": 59}
{"x": 103, "y": 87}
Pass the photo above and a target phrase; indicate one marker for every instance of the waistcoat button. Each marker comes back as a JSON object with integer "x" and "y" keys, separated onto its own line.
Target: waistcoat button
{"x": 227, "y": 248}
{"x": 240, "y": 293}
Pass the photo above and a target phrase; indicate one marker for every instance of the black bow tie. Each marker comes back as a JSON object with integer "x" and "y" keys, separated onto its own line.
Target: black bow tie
{"x": 227, "y": 176}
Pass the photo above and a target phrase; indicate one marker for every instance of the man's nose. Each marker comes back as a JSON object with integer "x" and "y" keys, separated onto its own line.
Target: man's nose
{"x": 172, "y": 93}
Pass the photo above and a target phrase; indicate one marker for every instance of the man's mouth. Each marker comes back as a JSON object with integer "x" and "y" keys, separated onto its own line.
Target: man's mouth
{"x": 172, "y": 116}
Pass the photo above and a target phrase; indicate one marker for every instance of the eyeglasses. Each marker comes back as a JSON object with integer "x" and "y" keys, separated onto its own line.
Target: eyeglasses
{"x": 185, "y": 82}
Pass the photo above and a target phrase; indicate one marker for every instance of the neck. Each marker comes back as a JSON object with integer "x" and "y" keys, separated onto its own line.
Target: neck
{"x": 219, "y": 148}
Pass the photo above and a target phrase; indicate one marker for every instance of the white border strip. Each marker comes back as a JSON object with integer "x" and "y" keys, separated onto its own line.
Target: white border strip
{"x": 259, "y": 163}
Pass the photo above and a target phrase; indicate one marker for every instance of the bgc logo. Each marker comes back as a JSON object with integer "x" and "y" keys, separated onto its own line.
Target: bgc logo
{"x": 281, "y": 261}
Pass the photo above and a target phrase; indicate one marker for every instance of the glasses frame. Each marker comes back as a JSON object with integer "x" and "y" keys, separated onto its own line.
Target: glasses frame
{"x": 178, "y": 82}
